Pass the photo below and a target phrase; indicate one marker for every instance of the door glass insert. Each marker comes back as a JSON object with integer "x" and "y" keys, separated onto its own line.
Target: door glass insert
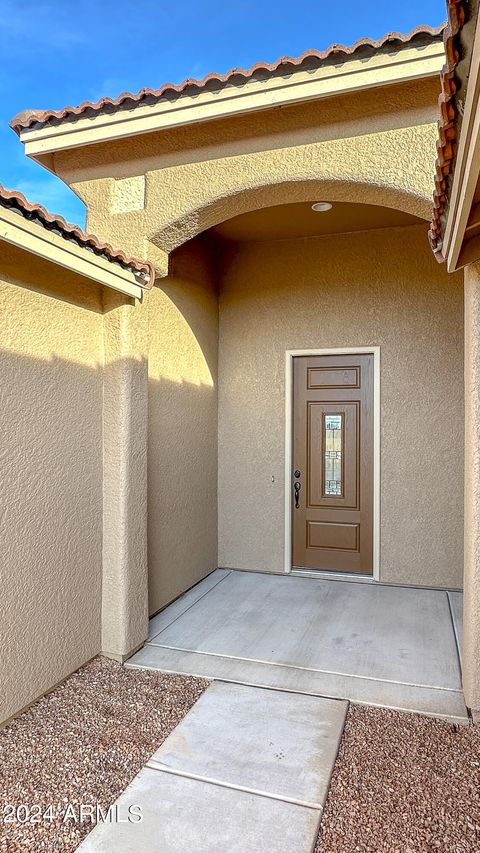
{"x": 333, "y": 455}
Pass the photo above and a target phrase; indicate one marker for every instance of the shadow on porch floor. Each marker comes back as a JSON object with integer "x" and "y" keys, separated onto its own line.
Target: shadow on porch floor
{"x": 396, "y": 647}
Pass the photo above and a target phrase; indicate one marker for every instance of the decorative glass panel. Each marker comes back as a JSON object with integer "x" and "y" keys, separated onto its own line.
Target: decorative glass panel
{"x": 333, "y": 450}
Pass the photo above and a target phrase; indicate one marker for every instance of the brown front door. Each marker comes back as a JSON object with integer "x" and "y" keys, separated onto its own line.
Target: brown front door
{"x": 332, "y": 476}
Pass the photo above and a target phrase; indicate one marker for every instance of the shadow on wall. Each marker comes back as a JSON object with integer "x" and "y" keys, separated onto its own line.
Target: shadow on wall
{"x": 182, "y": 487}
{"x": 182, "y": 443}
{"x": 37, "y": 275}
{"x": 51, "y": 489}
{"x": 190, "y": 308}
{"x": 50, "y": 521}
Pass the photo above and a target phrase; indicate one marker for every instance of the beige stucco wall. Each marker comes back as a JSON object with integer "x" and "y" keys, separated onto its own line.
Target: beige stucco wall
{"x": 153, "y": 193}
{"x": 182, "y": 426}
{"x": 125, "y": 416}
{"x": 380, "y": 288}
{"x": 51, "y": 475}
{"x": 351, "y": 147}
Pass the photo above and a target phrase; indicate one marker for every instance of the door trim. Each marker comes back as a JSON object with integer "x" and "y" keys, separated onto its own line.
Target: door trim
{"x": 289, "y": 356}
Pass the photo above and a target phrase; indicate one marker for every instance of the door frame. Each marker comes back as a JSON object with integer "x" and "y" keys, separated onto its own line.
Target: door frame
{"x": 289, "y": 356}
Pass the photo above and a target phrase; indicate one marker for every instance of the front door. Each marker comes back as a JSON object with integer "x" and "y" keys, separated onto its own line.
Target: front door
{"x": 332, "y": 476}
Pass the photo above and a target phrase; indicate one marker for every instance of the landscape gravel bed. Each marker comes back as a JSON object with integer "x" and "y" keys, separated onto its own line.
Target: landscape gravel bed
{"x": 403, "y": 783}
{"x": 82, "y": 744}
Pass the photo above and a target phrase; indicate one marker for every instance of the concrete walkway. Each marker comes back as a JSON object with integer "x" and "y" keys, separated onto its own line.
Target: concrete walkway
{"x": 397, "y": 647}
{"x": 247, "y": 770}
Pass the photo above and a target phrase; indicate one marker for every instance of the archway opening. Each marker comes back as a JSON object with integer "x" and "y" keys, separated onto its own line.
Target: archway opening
{"x": 272, "y": 278}
{"x": 340, "y": 193}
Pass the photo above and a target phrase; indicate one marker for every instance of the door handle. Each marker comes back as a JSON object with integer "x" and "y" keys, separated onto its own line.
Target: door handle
{"x": 297, "y": 486}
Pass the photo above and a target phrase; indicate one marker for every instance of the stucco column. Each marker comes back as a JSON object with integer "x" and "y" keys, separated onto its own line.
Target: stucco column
{"x": 125, "y": 576}
{"x": 471, "y": 638}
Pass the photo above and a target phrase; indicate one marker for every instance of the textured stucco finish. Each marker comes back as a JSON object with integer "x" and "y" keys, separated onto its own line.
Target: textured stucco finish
{"x": 75, "y": 356}
{"x": 375, "y": 168}
{"x": 182, "y": 426}
{"x": 355, "y": 148}
{"x": 359, "y": 289}
{"x": 125, "y": 404}
{"x": 51, "y": 480}
{"x": 352, "y": 148}
{"x": 471, "y": 605}
{"x": 377, "y": 146}
{"x": 128, "y": 194}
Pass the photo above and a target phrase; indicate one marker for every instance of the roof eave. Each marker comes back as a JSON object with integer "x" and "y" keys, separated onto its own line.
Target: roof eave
{"x": 380, "y": 69}
{"x": 35, "y": 239}
{"x": 457, "y": 166}
{"x": 466, "y": 166}
{"x": 14, "y": 201}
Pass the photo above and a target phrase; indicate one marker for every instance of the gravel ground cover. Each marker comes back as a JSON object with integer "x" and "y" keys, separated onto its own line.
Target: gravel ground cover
{"x": 403, "y": 783}
{"x": 82, "y": 744}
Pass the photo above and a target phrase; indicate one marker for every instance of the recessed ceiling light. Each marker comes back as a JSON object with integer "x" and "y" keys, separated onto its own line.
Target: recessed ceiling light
{"x": 321, "y": 206}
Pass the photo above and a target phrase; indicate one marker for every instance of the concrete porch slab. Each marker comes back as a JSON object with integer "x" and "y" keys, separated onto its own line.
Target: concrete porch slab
{"x": 447, "y": 704}
{"x": 370, "y": 643}
{"x": 181, "y": 815}
{"x": 274, "y": 743}
{"x": 184, "y": 602}
{"x": 379, "y": 645}
{"x": 393, "y": 633}
{"x": 456, "y": 605}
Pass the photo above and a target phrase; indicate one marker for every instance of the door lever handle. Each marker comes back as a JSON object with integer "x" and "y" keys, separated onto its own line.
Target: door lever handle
{"x": 297, "y": 486}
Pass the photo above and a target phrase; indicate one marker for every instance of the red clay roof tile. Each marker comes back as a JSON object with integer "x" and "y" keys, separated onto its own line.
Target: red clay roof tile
{"x": 129, "y": 100}
{"x": 30, "y": 210}
{"x": 447, "y": 129}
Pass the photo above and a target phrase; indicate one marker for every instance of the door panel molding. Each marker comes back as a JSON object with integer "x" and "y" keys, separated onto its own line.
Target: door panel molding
{"x": 324, "y": 534}
{"x": 346, "y": 382}
{"x": 333, "y": 377}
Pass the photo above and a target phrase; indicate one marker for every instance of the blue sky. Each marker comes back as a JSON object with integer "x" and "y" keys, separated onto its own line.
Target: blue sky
{"x": 59, "y": 52}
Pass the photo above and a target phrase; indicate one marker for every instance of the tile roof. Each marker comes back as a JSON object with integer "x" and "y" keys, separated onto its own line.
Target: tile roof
{"x": 447, "y": 124}
{"x": 214, "y": 82}
{"x": 36, "y": 213}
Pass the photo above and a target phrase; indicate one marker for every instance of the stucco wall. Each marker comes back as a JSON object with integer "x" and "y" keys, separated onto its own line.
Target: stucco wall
{"x": 355, "y": 147}
{"x": 343, "y": 115}
{"x": 373, "y": 288}
{"x": 125, "y": 424}
{"x": 182, "y": 426}
{"x": 51, "y": 475}
{"x": 152, "y": 193}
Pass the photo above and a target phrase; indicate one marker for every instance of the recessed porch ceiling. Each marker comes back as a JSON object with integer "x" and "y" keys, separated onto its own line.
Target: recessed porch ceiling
{"x": 299, "y": 220}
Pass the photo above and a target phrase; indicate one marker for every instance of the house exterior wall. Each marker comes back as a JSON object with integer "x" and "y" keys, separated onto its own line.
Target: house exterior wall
{"x": 125, "y": 415}
{"x": 351, "y": 147}
{"x": 51, "y": 484}
{"x": 351, "y": 290}
{"x": 182, "y": 426}
{"x": 153, "y": 193}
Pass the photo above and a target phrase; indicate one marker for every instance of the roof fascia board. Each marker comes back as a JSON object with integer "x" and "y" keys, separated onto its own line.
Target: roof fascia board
{"x": 467, "y": 166}
{"x": 379, "y": 70}
{"x": 33, "y": 238}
